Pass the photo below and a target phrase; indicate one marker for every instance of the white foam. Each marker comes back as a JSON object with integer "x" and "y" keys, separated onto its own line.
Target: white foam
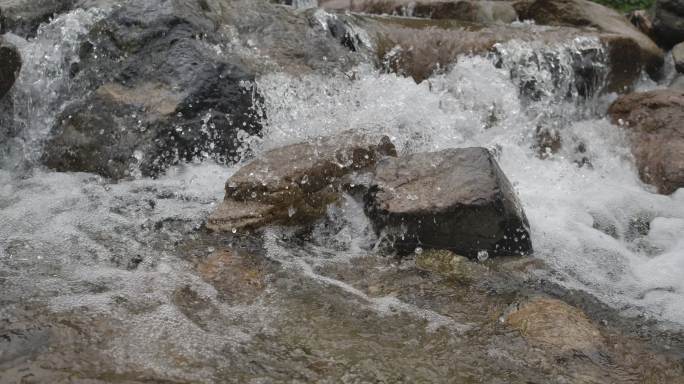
{"x": 584, "y": 219}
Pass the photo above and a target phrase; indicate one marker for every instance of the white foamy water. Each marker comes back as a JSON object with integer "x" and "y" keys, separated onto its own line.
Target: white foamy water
{"x": 590, "y": 214}
{"x": 68, "y": 238}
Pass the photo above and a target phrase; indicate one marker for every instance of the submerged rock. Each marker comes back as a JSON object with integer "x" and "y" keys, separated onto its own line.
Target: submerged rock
{"x": 668, "y": 22}
{"x": 449, "y": 264}
{"x": 630, "y": 50}
{"x": 294, "y": 184}
{"x": 456, "y": 199}
{"x": 10, "y": 65}
{"x": 654, "y": 122}
{"x": 552, "y": 324}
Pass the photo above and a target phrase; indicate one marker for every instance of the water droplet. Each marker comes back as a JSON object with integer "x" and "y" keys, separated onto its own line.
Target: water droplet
{"x": 418, "y": 250}
{"x": 482, "y": 255}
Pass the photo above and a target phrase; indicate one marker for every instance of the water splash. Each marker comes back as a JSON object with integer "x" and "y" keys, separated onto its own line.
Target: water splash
{"x": 590, "y": 214}
{"x": 44, "y": 83}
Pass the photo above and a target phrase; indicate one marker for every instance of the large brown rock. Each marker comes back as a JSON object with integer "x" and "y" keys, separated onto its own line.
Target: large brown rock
{"x": 655, "y": 122}
{"x": 294, "y": 184}
{"x": 456, "y": 199}
{"x": 630, "y": 50}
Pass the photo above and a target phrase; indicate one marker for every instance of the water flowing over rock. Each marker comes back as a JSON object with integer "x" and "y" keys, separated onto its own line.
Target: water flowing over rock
{"x": 456, "y": 199}
{"x": 622, "y": 38}
{"x": 654, "y": 121}
{"x": 420, "y": 48}
{"x": 10, "y": 65}
{"x": 294, "y": 184}
{"x": 668, "y": 22}
{"x": 23, "y": 17}
{"x": 464, "y": 10}
{"x": 172, "y": 83}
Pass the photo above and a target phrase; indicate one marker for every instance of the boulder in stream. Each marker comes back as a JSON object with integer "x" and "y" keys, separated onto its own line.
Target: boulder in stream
{"x": 668, "y": 22}
{"x": 654, "y": 121}
{"x": 166, "y": 82}
{"x": 10, "y": 65}
{"x": 455, "y": 199}
{"x": 294, "y": 184}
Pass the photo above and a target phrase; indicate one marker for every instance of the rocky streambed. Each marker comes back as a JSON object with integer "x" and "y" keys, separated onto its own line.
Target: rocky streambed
{"x": 370, "y": 191}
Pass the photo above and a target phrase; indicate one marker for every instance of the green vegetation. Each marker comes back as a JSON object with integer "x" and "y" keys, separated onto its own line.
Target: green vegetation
{"x": 627, "y": 5}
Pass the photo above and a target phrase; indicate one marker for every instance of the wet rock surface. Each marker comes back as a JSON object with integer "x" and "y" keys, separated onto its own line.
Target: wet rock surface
{"x": 464, "y": 10}
{"x": 10, "y": 65}
{"x": 22, "y": 17}
{"x": 456, "y": 199}
{"x": 625, "y": 37}
{"x": 668, "y": 22}
{"x": 161, "y": 95}
{"x": 294, "y": 184}
{"x": 654, "y": 122}
{"x": 170, "y": 84}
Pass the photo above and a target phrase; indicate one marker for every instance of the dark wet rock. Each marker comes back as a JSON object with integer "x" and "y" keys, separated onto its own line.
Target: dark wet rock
{"x": 642, "y": 20}
{"x": 10, "y": 65}
{"x": 621, "y": 37}
{"x": 553, "y": 325}
{"x": 173, "y": 81}
{"x": 654, "y": 122}
{"x": 294, "y": 184}
{"x": 22, "y": 17}
{"x": 678, "y": 56}
{"x": 456, "y": 199}
{"x": 668, "y": 22}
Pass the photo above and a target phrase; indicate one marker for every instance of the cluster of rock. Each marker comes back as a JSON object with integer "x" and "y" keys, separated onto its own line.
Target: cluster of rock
{"x": 171, "y": 81}
{"x": 455, "y": 199}
{"x": 654, "y": 120}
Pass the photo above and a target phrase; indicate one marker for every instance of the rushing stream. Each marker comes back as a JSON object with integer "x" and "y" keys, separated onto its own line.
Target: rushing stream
{"x": 113, "y": 266}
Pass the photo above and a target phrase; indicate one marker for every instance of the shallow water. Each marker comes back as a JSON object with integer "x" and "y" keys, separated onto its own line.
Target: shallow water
{"x": 120, "y": 283}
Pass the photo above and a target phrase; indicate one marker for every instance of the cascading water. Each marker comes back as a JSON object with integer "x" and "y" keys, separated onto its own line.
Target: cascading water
{"x": 588, "y": 210}
{"x": 74, "y": 246}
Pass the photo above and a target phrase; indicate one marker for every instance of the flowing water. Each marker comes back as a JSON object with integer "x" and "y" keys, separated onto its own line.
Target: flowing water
{"x": 123, "y": 278}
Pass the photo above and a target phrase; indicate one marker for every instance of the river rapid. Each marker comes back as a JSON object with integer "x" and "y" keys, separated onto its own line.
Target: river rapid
{"x": 117, "y": 282}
